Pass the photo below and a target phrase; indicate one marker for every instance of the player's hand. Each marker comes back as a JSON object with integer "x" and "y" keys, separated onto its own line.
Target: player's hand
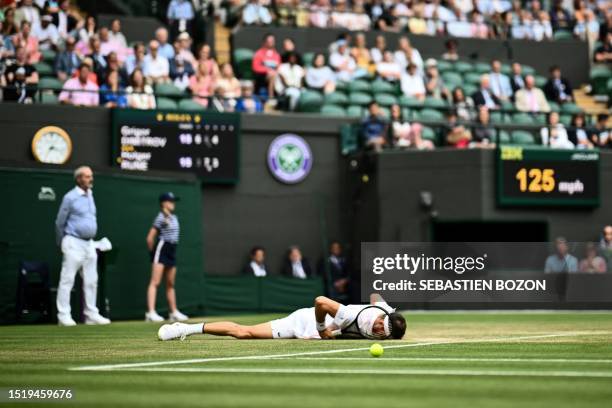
{"x": 326, "y": 334}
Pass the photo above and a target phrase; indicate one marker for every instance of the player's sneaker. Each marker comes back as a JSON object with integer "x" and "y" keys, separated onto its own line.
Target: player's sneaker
{"x": 66, "y": 321}
{"x": 173, "y": 331}
{"x": 153, "y": 317}
{"x": 177, "y": 317}
{"x": 97, "y": 319}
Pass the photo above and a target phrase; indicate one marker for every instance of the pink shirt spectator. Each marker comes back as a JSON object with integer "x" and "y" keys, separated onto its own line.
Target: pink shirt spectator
{"x": 75, "y": 93}
{"x": 201, "y": 87}
{"x": 266, "y": 59}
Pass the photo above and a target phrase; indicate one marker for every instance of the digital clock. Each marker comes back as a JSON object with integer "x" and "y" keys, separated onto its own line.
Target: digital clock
{"x": 204, "y": 143}
{"x": 534, "y": 176}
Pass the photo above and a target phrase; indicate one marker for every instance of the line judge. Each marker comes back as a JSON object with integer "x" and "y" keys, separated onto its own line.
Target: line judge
{"x": 76, "y": 227}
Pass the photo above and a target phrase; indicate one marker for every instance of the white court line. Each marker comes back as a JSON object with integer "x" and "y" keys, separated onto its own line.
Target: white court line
{"x": 459, "y": 359}
{"x": 246, "y": 370}
{"x": 106, "y": 367}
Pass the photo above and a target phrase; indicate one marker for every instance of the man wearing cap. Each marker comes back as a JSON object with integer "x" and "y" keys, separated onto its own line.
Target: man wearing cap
{"x": 76, "y": 227}
{"x": 163, "y": 257}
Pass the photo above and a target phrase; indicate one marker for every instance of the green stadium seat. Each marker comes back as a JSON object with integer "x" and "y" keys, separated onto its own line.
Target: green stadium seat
{"x": 472, "y": 78}
{"x": 386, "y": 112}
{"x": 385, "y": 99}
{"x": 354, "y": 111}
{"x": 469, "y": 89}
{"x": 609, "y": 86}
{"x": 598, "y": 78}
{"x": 452, "y": 79}
{"x": 359, "y": 98}
{"x": 570, "y": 108}
{"x": 565, "y": 119}
{"x": 463, "y": 66}
{"x": 381, "y": 86}
{"x": 435, "y": 103}
{"x": 563, "y": 35}
{"x": 496, "y": 117}
{"x": 307, "y": 59}
{"x": 48, "y": 56}
{"x": 540, "y": 81}
{"x": 430, "y": 115}
{"x": 336, "y": 98}
{"x": 332, "y": 110}
{"x": 506, "y": 69}
{"x": 44, "y": 69}
{"x": 310, "y": 101}
{"x": 522, "y": 118}
{"x": 47, "y": 83}
{"x": 540, "y": 118}
{"x": 507, "y": 106}
{"x": 444, "y": 66}
{"x": 49, "y": 98}
{"x": 482, "y": 67}
{"x": 554, "y": 106}
{"x": 503, "y": 137}
{"x": 522, "y": 137}
{"x": 409, "y": 102}
{"x": 429, "y": 134}
{"x": 359, "y": 85}
{"x": 166, "y": 103}
{"x": 189, "y": 105}
{"x": 342, "y": 86}
{"x": 169, "y": 90}
{"x": 349, "y": 138}
{"x": 528, "y": 70}
{"x": 242, "y": 61}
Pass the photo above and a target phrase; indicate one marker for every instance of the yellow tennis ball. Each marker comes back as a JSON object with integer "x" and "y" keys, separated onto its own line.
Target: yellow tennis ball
{"x": 376, "y": 350}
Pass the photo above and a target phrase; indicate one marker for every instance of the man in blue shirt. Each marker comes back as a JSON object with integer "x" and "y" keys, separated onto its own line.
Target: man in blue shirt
{"x": 76, "y": 227}
{"x": 374, "y": 129}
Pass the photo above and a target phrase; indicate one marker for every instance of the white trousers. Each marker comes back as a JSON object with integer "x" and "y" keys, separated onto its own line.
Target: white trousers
{"x": 79, "y": 256}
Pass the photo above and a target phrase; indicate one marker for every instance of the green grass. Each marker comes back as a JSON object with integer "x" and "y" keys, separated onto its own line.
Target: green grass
{"x": 437, "y": 375}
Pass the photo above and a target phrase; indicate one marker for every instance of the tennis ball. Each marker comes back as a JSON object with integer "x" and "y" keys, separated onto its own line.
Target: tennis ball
{"x": 376, "y": 350}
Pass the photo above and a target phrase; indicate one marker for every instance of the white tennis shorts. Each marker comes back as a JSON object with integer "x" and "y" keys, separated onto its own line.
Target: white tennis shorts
{"x": 300, "y": 324}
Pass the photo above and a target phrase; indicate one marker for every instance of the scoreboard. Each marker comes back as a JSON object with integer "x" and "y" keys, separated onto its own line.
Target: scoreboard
{"x": 204, "y": 143}
{"x": 547, "y": 177}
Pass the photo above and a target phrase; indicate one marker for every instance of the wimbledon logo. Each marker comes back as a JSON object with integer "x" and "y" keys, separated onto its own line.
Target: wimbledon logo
{"x": 289, "y": 158}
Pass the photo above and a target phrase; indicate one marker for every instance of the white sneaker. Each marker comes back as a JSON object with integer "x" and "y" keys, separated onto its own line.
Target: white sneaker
{"x": 177, "y": 317}
{"x": 153, "y": 317}
{"x": 97, "y": 319}
{"x": 172, "y": 331}
{"x": 66, "y": 321}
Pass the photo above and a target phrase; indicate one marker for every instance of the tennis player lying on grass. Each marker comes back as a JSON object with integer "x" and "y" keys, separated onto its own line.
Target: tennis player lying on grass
{"x": 328, "y": 319}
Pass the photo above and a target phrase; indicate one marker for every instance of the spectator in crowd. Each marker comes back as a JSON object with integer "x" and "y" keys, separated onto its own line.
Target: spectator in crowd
{"x": 184, "y": 49}
{"x": 202, "y": 85}
{"x": 406, "y": 135}
{"x": 531, "y": 99}
{"x": 355, "y": 20}
{"x": 92, "y": 75}
{"x": 256, "y": 266}
{"x": 361, "y": 54}
{"x": 63, "y": 19}
{"x": 406, "y": 55}
{"x": 319, "y": 76}
{"x": 22, "y": 85}
{"x": 344, "y": 64}
{"x": 478, "y": 29}
{"x": 464, "y": 106}
{"x": 603, "y": 53}
{"x": 555, "y": 134}
{"x": 86, "y": 33}
{"x": 165, "y": 48}
{"x": 139, "y": 93}
{"x": 296, "y": 265}
{"x": 289, "y": 48}
{"x": 180, "y": 15}
{"x": 137, "y": 59}
{"x": 80, "y": 90}
{"x": 27, "y": 12}
{"x": 228, "y": 82}
{"x": 96, "y": 56}
{"x": 67, "y": 61}
{"x": 374, "y": 129}
{"x": 483, "y": 133}
{"x": 107, "y": 44}
{"x": 47, "y": 34}
{"x": 248, "y": 102}
{"x": 378, "y": 51}
{"x": 500, "y": 83}
{"x": 180, "y": 72}
{"x": 256, "y": 13}
{"x": 335, "y": 272}
{"x": 113, "y": 64}
{"x": 388, "y": 69}
{"x": 557, "y": 88}
{"x": 434, "y": 83}
{"x": 561, "y": 261}
{"x": 289, "y": 80}
{"x": 516, "y": 79}
{"x": 9, "y": 26}
{"x": 116, "y": 35}
{"x": 156, "y": 68}
{"x": 221, "y": 102}
{"x": 112, "y": 94}
{"x": 605, "y": 243}
{"x": 586, "y": 27}
{"x": 592, "y": 263}
{"x": 451, "y": 53}
{"x": 29, "y": 42}
{"x": 412, "y": 83}
{"x": 265, "y": 64}
{"x": 559, "y": 17}
{"x": 319, "y": 13}
{"x": 457, "y": 135}
{"x": 205, "y": 58}
{"x": 578, "y": 134}
{"x": 601, "y": 135}
{"x": 484, "y": 96}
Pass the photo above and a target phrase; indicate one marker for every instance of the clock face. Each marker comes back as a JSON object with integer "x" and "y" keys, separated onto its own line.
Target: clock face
{"x": 51, "y": 145}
